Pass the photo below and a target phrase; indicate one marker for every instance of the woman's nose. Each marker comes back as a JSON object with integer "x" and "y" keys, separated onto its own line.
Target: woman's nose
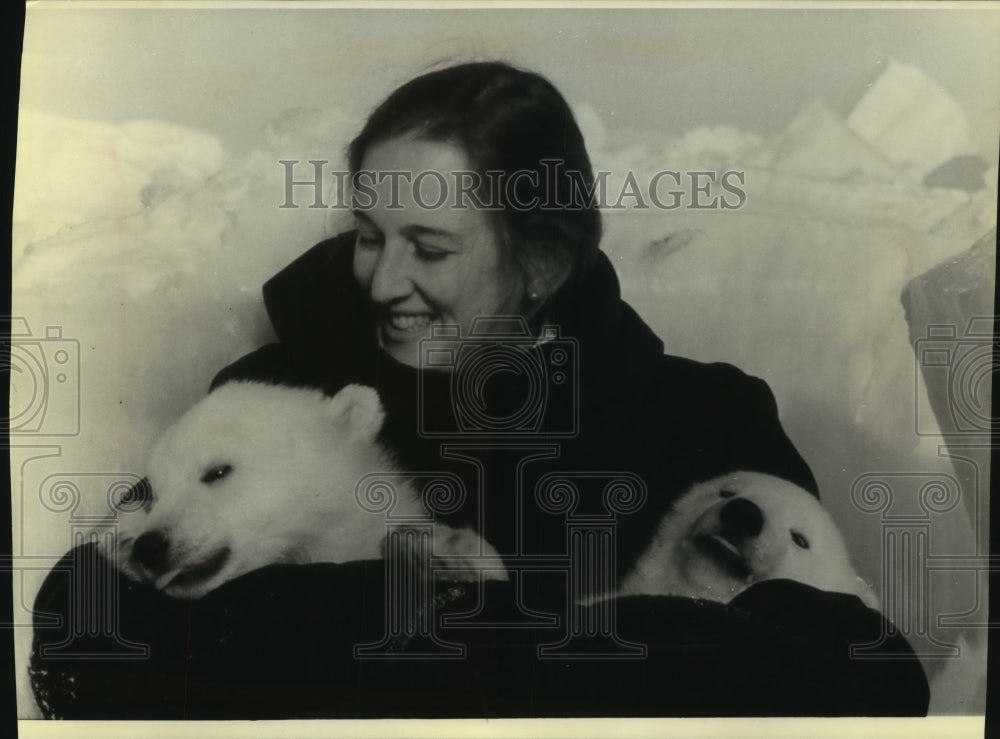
{"x": 391, "y": 278}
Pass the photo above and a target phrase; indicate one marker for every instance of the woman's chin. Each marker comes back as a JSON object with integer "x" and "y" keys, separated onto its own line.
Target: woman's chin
{"x": 403, "y": 346}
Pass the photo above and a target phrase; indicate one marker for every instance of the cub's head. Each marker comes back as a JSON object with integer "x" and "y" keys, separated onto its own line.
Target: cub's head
{"x": 243, "y": 480}
{"x": 735, "y": 530}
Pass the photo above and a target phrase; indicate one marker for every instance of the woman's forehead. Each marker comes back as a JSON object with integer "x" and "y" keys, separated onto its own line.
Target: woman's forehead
{"x": 411, "y": 183}
{"x": 414, "y": 155}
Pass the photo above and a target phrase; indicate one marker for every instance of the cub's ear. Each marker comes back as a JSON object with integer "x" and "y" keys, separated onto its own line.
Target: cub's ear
{"x": 359, "y": 408}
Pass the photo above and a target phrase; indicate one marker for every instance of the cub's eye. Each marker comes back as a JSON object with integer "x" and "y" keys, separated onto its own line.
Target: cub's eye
{"x": 216, "y": 473}
{"x": 138, "y": 493}
{"x": 138, "y": 497}
{"x": 800, "y": 540}
{"x": 727, "y": 494}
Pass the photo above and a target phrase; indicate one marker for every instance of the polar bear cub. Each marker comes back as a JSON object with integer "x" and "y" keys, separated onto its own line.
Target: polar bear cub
{"x": 259, "y": 474}
{"x": 732, "y": 531}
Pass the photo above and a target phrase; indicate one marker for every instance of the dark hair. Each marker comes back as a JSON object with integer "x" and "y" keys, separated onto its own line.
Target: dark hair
{"x": 505, "y": 120}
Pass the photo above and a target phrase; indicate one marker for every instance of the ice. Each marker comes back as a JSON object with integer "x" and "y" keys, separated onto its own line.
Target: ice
{"x": 979, "y": 215}
{"x": 709, "y": 148}
{"x": 912, "y": 119}
{"x": 819, "y": 145}
{"x": 151, "y": 274}
{"x": 591, "y": 126}
{"x": 802, "y": 287}
{"x": 71, "y": 172}
{"x": 816, "y": 167}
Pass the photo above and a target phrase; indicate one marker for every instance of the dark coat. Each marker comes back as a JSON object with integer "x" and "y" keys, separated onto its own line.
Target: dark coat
{"x": 669, "y": 420}
{"x": 280, "y": 642}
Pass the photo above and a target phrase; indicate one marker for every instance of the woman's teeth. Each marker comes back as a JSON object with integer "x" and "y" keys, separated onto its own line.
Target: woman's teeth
{"x": 408, "y": 322}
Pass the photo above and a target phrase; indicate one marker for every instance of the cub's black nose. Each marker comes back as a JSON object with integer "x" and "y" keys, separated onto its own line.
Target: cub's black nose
{"x": 150, "y": 552}
{"x": 741, "y": 518}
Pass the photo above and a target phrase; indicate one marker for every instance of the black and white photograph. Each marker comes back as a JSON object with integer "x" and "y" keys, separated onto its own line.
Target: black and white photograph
{"x": 435, "y": 361}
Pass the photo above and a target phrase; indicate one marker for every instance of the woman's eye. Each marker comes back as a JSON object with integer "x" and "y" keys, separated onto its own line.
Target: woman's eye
{"x": 800, "y": 540}
{"x": 429, "y": 253}
{"x": 216, "y": 473}
{"x": 727, "y": 494}
{"x": 368, "y": 240}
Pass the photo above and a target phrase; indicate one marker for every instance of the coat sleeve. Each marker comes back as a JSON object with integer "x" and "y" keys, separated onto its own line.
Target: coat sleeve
{"x": 757, "y": 440}
{"x": 268, "y": 364}
{"x": 312, "y": 305}
{"x": 281, "y": 642}
{"x": 736, "y": 427}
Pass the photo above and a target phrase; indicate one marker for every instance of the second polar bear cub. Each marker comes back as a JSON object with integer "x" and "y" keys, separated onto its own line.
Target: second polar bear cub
{"x": 725, "y": 534}
{"x": 257, "y": 474}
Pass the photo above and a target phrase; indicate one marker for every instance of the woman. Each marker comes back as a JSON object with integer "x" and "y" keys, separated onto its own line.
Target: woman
{"x": 570, "y": 386}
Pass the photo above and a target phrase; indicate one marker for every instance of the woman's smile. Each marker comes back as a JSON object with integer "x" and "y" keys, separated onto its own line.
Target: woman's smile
{"x": 407, "y": 322}
{"x": 401, "y": 326}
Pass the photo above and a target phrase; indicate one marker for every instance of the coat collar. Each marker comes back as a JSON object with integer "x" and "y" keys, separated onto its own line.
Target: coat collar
{"x": 321, "y": 316}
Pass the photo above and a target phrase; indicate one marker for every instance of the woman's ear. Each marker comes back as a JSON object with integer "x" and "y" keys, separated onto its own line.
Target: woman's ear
{"x": 545, "y": 273}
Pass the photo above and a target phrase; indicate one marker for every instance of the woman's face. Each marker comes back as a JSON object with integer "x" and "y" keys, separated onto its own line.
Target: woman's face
{"x": 424, "y": 267}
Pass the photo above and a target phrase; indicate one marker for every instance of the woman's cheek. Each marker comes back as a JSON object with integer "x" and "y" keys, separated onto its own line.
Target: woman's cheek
{"x": 364, "y": 265}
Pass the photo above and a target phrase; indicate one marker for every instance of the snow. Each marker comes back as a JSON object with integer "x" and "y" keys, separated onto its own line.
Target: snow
{"x": 71, "y": 172}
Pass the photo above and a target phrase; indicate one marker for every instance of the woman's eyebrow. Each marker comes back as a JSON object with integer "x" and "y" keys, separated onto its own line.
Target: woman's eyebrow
{"x": 414, "y": 230}
{"x": 361, "y": 215}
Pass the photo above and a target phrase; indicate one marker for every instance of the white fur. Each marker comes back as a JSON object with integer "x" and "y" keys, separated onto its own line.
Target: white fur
{"x": 679, "y": 562}
{"x": 296, "y": 457}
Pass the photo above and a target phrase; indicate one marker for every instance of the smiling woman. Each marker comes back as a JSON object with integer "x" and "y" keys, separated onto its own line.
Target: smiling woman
{"x": 423, "y": 266}
{"x": 507, "y": 364}
{"x": 513, "y": 214}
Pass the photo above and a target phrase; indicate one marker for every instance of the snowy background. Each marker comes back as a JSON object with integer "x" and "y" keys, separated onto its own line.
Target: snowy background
{"x": 146, "y": 219}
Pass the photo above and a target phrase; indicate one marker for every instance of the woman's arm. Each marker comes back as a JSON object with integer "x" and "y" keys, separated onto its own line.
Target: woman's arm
{"x": 755, "y": 439}
{"x": 268, "y": 364}
{"x": 280, "y": 643}
{"x": 731, "y": 421}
